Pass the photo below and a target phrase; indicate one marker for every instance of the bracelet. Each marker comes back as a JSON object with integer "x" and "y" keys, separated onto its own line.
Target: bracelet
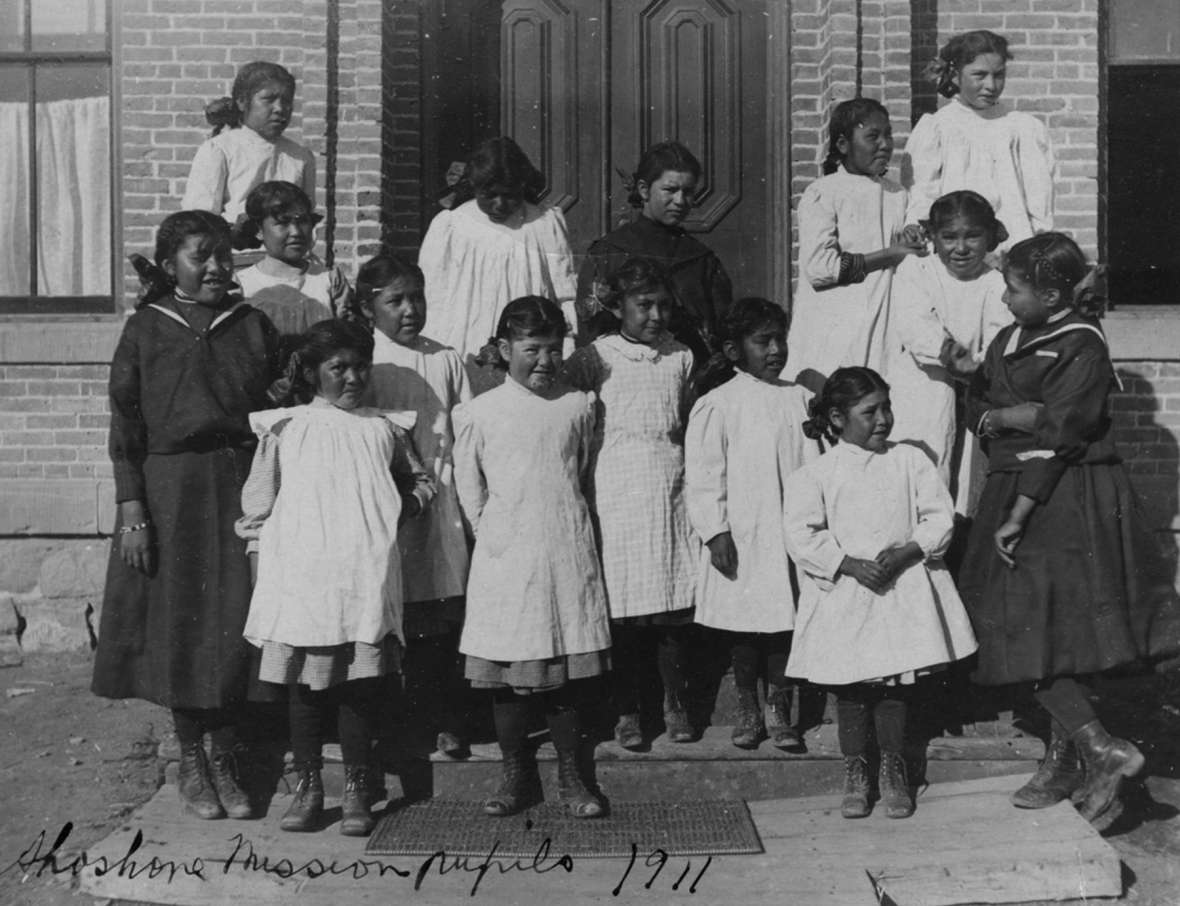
{"x": 138, "y": 527}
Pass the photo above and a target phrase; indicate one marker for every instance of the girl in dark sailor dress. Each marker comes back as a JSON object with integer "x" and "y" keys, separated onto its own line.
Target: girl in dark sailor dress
{"x": 192, "y": 363}
{"x": 1055, "y": 576}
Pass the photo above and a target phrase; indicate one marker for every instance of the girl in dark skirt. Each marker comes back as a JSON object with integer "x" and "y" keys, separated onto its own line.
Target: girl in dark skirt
{"x": 1055, "y": 576}
{"x": 192, "y": 363}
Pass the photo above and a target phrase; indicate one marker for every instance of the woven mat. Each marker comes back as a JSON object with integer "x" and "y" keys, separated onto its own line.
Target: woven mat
{"x": 460, "y": 828}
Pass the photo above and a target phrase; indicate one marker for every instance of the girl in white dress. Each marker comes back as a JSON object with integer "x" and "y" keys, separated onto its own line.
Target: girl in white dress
{"x": 412, "y": 372}
{"x": 536, "y": 631}
{"x": 976, "y": 142}
{"x": 851, "y": 235}
{"x": 946, "y": 309}
{"x": 642, "y": 379}
{"x": 248, "y": 146}
{"x": 744, "y": 438}
{"x": 289, "y": 284}
{"x": 329, "y": 485}
{"x": 867, "y": 524}
{"x": 497, "y": 244}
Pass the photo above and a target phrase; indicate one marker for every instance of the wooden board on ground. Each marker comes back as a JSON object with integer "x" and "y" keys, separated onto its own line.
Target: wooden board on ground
{"x": 965, "y": 844}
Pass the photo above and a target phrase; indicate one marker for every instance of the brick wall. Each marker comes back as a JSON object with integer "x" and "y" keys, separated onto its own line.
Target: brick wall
{"x": 179, "y": 54}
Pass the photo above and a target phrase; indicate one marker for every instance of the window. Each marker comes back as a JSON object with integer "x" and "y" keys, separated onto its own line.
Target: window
{"x": 56, "y": 255}
{"x": 1142, "y": 147}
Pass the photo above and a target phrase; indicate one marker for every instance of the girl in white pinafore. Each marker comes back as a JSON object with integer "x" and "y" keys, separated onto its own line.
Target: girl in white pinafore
{"x": 946, "y": 309}
{"x": 744, "y": 438}
{"x": 867, "y": 524}
{"x": 321, "y": 510}
{"x": 642, "y": 377}
{"x": 413, "y": 372}
{"x": 851, "y": 235}
{"x": 975, "y": 142}
{"x": 536, "y": 628}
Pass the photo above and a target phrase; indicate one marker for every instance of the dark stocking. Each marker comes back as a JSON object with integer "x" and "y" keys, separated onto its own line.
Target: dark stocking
{"x": 852, "y": 719}
{"x": 358, "y": 705}
{"x": 744, "y": 654}
{"x": 889, "y": 714}
{"x": 627, "y": 666}
{"x": 190, "y": 725}
{"x": 670, "y": 643}
{"x": 308, "y": 712}
{"x": 511, "y": 713}
{"x": 1067, "y": 699}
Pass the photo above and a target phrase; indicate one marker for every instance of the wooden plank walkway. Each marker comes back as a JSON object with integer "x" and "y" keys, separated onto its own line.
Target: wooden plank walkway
{"x": 965, "y": 844}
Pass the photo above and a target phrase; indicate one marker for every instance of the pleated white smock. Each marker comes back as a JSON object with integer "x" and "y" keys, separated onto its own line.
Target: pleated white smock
{"x": 854, "y": 502}
{"x": 535, "y": 590}
{"x": 328, "y": 568}
{"x": 1004, "y": 155}
{"x": 743, "y": 440}
{"x": 929, "y": 304}
{"x": 474, "y": 267}
{"x": 834, "y": 325}
{"x": 427, "y": 378}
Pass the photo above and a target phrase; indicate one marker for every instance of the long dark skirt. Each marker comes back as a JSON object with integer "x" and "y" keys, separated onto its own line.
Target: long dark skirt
{"x": 1089, "y": 591}
{"x": 175, "y": 638}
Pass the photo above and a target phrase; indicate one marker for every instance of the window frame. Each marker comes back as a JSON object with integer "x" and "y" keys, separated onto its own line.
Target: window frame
{"x": 31, "y": 304}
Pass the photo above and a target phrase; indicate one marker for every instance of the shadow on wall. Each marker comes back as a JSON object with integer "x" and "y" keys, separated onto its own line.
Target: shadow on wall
{"x": 1146, "y": 433}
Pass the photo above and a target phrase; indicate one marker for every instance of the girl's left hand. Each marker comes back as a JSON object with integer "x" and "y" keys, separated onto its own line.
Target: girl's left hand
{"x": 723, "y": 554}
{"x": 1007, "y": 537}
{"x": 895, "y": 560}
{"x": 914, "y": 237}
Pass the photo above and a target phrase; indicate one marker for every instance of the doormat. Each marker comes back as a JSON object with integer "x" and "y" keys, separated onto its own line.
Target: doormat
{"x": 458, "y": 827}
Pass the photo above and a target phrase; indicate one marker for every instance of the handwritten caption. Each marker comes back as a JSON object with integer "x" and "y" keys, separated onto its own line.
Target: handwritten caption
{"x": 652, "y": 869}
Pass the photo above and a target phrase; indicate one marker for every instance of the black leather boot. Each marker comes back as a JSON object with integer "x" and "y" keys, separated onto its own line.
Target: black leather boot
{"x": 748, "y": 729}
{"x": 520, "y": 787}
{"x": 307, "y": 808}
{"x": 196, "y": 786}
{"x": 224, "y": 772}
{"x": 895, "y": 786}
{"x": 857, "y": 788}
{"x": 356, "y": 817}
{"x": 1058, "y": 776}
{"x": 1107, "y": 761}
{"x": 778, "y": 720}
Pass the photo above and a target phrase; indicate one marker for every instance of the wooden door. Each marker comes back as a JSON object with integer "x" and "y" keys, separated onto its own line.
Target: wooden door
{"x": 586, "y": 86}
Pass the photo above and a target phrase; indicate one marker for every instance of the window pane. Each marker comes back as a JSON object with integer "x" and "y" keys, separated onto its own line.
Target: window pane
{"x": 14, "y": 180}
{"x": 62, "y": 25}
{"x": 1144, "y": 30}
{"x": 12, "y": 25}
{"x": 73, "y": 180}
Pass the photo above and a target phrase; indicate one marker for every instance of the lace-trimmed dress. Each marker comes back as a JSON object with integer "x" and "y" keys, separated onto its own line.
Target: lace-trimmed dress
{"x": 321, "y": 506}
{"x": 648, "y": 555}
{"x": 1004, "y": 155}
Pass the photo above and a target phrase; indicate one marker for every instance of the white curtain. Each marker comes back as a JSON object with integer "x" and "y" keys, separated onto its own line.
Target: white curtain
{"x": 74, "y": 198}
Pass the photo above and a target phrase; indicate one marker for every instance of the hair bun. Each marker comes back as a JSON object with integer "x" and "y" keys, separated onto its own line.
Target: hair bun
{"x": 222, "y": 112}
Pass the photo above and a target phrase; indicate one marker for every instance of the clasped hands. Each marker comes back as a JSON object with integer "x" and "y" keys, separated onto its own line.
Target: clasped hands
{"x": 877, "y": 574}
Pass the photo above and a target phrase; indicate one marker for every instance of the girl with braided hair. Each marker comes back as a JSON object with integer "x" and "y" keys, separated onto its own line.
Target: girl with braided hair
{"x": 193, "y": 362}
{"x": 1056, "y": 575}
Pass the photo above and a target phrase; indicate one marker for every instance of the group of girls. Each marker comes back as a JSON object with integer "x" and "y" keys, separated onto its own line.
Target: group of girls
{"x": 580, "y": 514}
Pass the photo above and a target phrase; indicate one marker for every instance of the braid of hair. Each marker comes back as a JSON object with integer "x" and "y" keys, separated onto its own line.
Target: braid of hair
{"x": 818, "y": 426}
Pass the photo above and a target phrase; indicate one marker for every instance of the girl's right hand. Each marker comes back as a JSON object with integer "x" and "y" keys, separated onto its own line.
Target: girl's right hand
{"x": 252, "y": 556}
{"x": 913, "y": 237}
{"x": 136, "y": 549}
{"x": 723, "y": 554}
{"x": 869, "y": 573}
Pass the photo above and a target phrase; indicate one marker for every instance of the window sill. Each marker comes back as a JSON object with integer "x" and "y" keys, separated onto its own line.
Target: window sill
{"x": 1141, "y": 333}
{"x": 59, "y": 340}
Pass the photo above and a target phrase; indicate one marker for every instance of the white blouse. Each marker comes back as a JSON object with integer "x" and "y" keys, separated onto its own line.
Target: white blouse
{"x": 853, "y": 502}
{"x": 231, "y": 163}
{"x": 1004, "y": 155}
{"x": 294, "y": 298}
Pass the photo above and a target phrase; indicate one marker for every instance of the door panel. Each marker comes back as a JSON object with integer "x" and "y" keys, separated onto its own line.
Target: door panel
{"x": 551, "y": 71}
{"x": 587, "y": 85}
